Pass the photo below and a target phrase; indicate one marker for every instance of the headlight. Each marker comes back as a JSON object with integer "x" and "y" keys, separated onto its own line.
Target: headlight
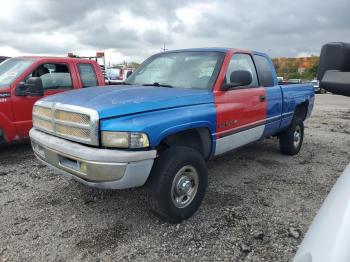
{"x": 124, "y": 139}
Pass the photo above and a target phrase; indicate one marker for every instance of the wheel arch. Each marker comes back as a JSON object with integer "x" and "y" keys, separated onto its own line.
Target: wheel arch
{"x": 301, "y": 110}
{"x": 198, "y": 138}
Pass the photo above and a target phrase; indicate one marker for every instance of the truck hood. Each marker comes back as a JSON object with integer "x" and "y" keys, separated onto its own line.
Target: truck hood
{"x": 112, "y": 101}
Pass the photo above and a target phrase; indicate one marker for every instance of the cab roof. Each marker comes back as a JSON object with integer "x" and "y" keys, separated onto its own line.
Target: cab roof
{"x": 54, "y": 58}
{"x": 216, "y": 49}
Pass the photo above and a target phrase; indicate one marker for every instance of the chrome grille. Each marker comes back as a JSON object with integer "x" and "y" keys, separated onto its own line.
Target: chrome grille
{"x": 71, "y": 122}
{"x": 44, "y": 111}
{"x": 42, "y": 123}
{"x": 72, "y": 117}
{"x": 73, "y": 131}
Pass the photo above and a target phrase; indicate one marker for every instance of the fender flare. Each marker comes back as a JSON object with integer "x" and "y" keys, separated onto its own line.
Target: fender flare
{"x": 187, "y": 127}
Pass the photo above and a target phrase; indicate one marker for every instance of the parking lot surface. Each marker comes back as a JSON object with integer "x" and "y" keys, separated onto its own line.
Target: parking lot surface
{"x": 258, "y": 206}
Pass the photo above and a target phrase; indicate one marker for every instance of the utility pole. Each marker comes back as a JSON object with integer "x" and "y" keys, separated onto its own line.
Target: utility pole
{"x": 163, "y": 49}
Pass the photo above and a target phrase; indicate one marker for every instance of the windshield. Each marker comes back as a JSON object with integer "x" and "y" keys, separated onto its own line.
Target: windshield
{"x": 11, "y": 69}
{"x": 185, "y": 69}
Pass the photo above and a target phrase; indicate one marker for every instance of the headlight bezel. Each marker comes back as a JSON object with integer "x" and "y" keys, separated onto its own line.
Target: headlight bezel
{"x": 127, "y": 140}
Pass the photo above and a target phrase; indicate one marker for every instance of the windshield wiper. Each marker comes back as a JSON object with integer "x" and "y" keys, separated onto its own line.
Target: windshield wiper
{"x": 158, "y": 84}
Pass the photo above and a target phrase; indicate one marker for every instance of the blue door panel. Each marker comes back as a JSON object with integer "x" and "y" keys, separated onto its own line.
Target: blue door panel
{"x": 274, "y": 110}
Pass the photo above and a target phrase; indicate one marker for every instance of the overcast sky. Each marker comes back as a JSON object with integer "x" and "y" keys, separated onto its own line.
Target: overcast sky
{"x": 133, "y": 30}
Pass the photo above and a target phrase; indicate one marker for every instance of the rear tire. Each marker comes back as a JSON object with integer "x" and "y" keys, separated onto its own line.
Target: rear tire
{"x": 291, "y": 139}
{"x": 177, "y": 184}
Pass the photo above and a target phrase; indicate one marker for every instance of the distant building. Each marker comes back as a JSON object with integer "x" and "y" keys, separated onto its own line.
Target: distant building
{"x": 301, "y": 70}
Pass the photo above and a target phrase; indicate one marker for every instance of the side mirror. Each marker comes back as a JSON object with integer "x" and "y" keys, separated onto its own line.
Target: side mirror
{"x": 238, "y": 78}
{"x": 32, "y": 87}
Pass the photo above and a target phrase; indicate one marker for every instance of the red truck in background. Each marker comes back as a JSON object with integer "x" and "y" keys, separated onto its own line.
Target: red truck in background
{"x": 19, "y": 79}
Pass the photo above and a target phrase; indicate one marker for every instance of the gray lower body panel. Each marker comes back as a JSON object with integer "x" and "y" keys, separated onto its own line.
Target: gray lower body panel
{"x": 239, "y": 139}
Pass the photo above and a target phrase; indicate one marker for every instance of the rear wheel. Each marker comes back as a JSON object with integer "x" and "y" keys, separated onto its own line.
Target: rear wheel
{"x": 177, "y": 184}
{"x": 291, "y": 139}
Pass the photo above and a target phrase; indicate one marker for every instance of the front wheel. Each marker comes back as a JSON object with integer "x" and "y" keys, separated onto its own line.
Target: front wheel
{"x": 177, "y": 184}
{"x": 291, "y": 139}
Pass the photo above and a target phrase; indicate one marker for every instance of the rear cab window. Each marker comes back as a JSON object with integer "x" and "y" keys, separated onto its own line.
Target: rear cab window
{"x": 264, "y": 70}
{"x": 87, "y": 75}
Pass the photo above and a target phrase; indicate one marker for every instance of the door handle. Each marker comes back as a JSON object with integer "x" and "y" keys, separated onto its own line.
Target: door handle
{"x": 262, "y": 98}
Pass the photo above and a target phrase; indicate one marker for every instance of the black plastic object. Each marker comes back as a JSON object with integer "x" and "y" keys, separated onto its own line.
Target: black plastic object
{"x": 3, "y": 58}
{"x": 334, "y": 68}
{"x": 33, "y": 86}
{"x": 238, "y": 78}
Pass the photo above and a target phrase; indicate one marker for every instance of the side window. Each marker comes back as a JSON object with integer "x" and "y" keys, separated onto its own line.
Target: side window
{"x": 54, "y": 76}
{"x": 242, "y": 62}
{"x": 263, "y": 67}
{"x": 87, "y": 75}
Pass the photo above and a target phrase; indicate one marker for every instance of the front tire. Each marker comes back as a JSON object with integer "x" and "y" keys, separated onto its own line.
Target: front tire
{"x": 291, "y": 139}
{"x": 177, "y": 184}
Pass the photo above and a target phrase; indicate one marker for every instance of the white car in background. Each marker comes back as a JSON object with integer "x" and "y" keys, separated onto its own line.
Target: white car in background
{"x": 317, "y": 88}
{"x": 294, "y": 81}
{"x": 115, "y": 76}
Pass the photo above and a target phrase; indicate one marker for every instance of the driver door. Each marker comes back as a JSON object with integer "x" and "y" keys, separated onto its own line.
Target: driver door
{"x": 241, "y": 111}
{"x": 56, "y": 78}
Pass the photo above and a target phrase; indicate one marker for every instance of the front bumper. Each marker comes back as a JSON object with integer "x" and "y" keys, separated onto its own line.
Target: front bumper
{"x": 96, "y": 167}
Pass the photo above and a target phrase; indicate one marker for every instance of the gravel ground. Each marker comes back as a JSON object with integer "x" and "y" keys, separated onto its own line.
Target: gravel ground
{"x": 258, "y": 206}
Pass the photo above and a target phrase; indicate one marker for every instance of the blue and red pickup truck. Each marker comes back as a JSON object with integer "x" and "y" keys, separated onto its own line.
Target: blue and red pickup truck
{"x": 178, "y": 109}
